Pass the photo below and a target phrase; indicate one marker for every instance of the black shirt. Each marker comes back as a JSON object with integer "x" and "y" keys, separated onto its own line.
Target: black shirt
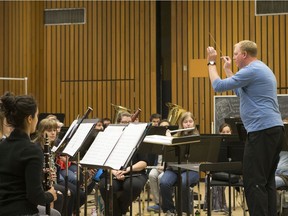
{"x": 21, "y": 163}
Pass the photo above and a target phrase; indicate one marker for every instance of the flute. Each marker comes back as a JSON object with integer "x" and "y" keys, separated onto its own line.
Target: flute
{"x": 180, "y": 130}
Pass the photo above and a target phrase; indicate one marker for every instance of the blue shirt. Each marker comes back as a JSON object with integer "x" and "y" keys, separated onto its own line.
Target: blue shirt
{"x": 256, "y": 86}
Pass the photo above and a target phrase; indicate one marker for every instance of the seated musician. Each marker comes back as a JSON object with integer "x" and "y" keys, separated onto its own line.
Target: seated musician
{"x": 170, "y": 176}
{"x": 20, "y": 194}
{"x": 121, "y": 184}
{"x": 49, "y": 126}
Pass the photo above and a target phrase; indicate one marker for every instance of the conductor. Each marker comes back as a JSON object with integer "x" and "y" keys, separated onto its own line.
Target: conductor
{"x": 256, "y": 86}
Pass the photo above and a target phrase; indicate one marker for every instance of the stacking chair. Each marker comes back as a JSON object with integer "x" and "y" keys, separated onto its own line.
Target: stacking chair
{"x": 228, "y": 167}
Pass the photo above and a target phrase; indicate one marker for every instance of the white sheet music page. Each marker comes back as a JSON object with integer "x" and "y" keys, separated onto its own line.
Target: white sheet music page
{"x": 103, "y": 145}
{"x": 54, "y": 149}
{"x": 78, "y": 138}
{"x": 127, "y": 142}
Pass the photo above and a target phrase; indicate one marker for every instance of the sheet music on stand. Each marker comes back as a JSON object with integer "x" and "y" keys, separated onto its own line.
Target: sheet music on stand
{"x": 78, "y": 138}
{"x": 114, "y": 147}
{"x": 61, "y": 145}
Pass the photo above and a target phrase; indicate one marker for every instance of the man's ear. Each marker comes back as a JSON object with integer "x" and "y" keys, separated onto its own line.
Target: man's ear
{"x": 245, "y": 54}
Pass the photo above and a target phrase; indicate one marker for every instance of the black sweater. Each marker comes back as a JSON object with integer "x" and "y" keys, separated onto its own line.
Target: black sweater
{"x": 21, "y": 164}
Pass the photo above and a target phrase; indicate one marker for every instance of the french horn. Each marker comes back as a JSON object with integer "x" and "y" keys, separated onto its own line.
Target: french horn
{"x": 175, "y": 112}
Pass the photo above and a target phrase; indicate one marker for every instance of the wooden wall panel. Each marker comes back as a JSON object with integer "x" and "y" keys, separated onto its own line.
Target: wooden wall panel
{"x": 22, "y": 47}
{"x": 110, "y": 59}
{"x": 225, "y": 22}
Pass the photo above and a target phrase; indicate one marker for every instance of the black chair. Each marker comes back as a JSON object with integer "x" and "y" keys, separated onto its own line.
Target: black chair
{"x": 228, "y": 168}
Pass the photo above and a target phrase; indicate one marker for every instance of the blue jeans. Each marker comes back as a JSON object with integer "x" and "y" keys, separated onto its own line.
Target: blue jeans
{"x": 72, "y": 174}
{"x": 168, "y": 181}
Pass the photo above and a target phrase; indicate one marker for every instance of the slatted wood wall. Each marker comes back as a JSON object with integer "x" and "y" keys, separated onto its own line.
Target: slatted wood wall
{"x": 112, "y": 58}
{"x": 198, "y": 24}
{"x": 22, "y": 46}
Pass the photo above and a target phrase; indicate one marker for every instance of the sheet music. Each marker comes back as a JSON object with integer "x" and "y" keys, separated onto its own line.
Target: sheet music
{"x": 55, "y": 148}
{"x": 78, "y": 138}
{"x": 127, "y": 142}
{"x": 103, "y": 145}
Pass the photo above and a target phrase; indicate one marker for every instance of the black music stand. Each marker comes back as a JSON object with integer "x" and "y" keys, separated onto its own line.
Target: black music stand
{"x": 204, "y": 151}
{"x": 229, "y": 160}
{"x": 116, "y": 155}
{"x": 188, "y": 149}
{"x": 232, "y": 122}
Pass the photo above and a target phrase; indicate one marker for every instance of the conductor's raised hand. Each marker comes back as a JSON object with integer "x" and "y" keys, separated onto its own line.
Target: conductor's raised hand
{"x": 227, "y": 62}
{"x": 211, "y": 54}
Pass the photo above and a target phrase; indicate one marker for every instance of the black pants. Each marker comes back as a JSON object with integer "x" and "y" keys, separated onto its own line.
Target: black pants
{"x": 260, "y": 161}
{"x": 122, "y": 192}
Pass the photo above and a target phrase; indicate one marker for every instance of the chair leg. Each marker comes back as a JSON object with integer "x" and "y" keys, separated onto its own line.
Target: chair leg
{"x": 244, "y": 202}
{"x": 281, "y": 202}
{"x": 234, "y": 199}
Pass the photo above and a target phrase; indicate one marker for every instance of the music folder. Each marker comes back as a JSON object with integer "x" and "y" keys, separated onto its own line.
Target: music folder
{"x": 170, "y": 140}
{"x": 115, "y": 146}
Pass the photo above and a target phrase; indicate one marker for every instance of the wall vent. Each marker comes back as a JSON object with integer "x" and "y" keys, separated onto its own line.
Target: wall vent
{"x": 64, "y": 16}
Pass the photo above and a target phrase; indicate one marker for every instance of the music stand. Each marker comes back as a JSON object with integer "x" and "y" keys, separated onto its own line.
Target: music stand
{"x": 241, "y": 131}
{"x": 114, "y": 148}
{"x": 229, "y": 160}
{"x": 232, "y": 122}
{"x": 204, "y": 151}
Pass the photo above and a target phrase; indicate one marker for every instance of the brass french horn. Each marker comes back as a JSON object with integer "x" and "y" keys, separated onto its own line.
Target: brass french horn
{"x": 175, "y": 112}
{"x": 118, "y": 111}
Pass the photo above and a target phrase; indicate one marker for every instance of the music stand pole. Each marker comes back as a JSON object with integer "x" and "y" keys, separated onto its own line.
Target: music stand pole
{"x": 179, "y": 207}
{"x": 131, "y": 187}
{"x": 85, "y": 186}
{"x": 78, "y": 185}
{"x": 109, "y": 193}
{"x": 66, "y": 187}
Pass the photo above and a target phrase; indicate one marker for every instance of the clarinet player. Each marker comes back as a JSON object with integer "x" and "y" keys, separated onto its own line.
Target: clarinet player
{"x": 21, "y": 161}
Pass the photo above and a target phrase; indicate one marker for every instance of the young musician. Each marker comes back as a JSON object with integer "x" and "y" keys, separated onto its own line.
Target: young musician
{"x": 21, "y": 161}
{"x": 121, "y": 183}
{"x": 169, "y": 178}
{"x": 49, "y": 126}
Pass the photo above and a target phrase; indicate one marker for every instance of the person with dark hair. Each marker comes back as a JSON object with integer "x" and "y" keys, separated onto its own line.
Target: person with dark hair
{"x": 106, "y": 122}
{"x": 21, "y": 161}
{"x": 5, "y": 129}
{"x": 155, "y": 119}
{"x": 256, "y": 86}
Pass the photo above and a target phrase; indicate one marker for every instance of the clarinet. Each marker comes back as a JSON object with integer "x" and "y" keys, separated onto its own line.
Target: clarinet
{"x": 47, "y": 177}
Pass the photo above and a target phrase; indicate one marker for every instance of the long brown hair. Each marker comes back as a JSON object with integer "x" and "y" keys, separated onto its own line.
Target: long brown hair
{"x": 184, "y": 116}
{"x": 45, "y": 124}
